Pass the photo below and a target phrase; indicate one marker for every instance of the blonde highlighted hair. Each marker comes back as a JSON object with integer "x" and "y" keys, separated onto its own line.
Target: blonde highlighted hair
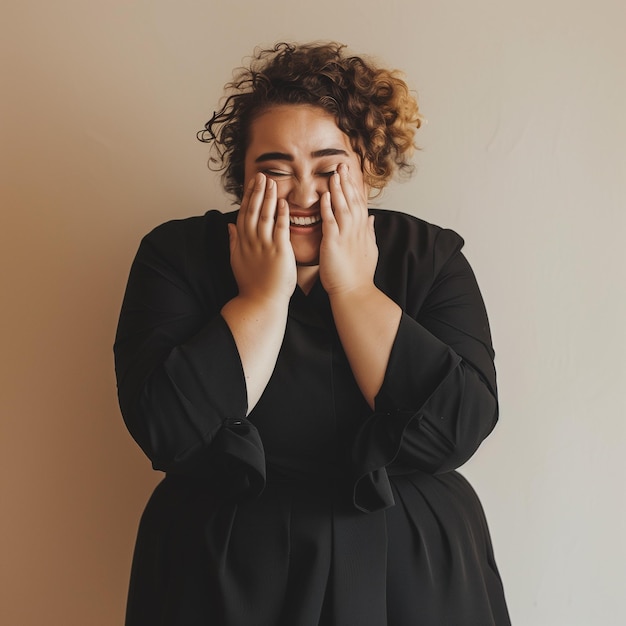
{"x": 373, "y": 106}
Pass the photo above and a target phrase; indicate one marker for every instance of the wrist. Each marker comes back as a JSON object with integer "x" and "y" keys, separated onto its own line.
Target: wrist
{"x": 357, "y": 293}
{"x": 263, "y": 301}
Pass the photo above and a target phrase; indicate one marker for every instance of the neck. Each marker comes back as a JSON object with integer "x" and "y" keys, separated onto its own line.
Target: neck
{"x": 307, "y": 275}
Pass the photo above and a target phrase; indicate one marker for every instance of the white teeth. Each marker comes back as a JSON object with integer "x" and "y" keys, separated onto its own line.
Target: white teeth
{"x": 304, "y": 221}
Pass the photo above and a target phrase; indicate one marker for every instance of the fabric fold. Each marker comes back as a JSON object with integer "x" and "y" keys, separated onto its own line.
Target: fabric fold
{"x": 313, "y": 508}
{"x": 377, "y": 444}
{"x": 239, "y": 460}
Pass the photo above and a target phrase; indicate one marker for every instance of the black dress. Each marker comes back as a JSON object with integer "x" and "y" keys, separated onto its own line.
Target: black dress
{"x": 313, "y": 510}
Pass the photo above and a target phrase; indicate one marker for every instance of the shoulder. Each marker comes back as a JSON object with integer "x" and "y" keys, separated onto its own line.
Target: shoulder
{"x": 400, "y": 235}
{"x": 193, "y": 252}
{"x": 421, "y": 265}
{"x": 211, "y": 224}
{"x": 190, "y": 237}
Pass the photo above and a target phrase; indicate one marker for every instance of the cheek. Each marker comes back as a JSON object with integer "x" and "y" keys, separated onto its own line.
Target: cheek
{"x": 244, "y": 186}
{"x": 359, "y": 180}
{"x": 356, "y": 170}
{"x": 249, "y": 172}
{"x": 283, "y": 187}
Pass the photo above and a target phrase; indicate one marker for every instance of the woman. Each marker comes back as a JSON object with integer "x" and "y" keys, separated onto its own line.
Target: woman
{"x": 309, "y": 374}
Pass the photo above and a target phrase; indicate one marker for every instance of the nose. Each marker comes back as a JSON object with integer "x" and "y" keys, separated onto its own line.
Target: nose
{"x": 305, "y": 192}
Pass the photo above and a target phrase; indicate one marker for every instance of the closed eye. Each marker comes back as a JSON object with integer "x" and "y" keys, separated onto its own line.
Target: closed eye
{"x": 276, "y": 173}
{"x": 282, "y": 174}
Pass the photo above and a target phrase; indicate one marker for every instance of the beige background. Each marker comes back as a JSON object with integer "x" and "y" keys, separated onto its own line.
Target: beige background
{"x": 524, "y": 155}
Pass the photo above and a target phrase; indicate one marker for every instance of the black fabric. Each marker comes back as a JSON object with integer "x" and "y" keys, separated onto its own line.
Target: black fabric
{"x": 314, "y": 510}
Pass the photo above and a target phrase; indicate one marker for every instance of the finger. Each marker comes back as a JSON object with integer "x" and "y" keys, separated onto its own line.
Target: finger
{"x": 253, "y": 209}
{"x": 339, "y": 204}
{"x": 355, "y": 200}
{"x": 329, "y": 223}
{"x": 265, "y": 227}
{"x": 281, "y": 228}
{"x": 243, "y": 207}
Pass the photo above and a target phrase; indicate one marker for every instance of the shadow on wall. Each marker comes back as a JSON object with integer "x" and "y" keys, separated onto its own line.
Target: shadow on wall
{"x": 74, "y": 481}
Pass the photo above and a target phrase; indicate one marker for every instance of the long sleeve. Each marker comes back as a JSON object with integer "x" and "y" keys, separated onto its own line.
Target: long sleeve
{"x": 438, "y": 400}
{"x": 181, "y": 386}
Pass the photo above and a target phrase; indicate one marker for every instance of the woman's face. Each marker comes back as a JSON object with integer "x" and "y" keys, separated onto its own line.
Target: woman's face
{"x": 300, "y": 146}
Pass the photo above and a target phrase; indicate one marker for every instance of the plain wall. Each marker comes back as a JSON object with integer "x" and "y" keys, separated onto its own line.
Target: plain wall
{"x": 523, "y": 154}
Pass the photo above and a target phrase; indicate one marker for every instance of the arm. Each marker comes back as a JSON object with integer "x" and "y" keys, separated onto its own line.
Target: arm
{"x": 182, "y": 382}
{"x": 179, "y": 376}
{"x": 367, "y": 323}
{"x": 417, "y": 341}
{"x": 438, "y": 399}
{"x": 441, "y": 367}
{"x": 434, "y": 354}
{"x": 366, "y": 319}
{"x": 264, "y": 267}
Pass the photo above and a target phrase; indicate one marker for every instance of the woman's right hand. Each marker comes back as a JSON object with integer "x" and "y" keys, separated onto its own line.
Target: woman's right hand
{"x": 261, "y": 255}
{"x": 264, "y": 266}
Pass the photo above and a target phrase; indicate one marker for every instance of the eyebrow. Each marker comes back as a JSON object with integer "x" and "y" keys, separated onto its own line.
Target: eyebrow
{"x": 283, "y": 156}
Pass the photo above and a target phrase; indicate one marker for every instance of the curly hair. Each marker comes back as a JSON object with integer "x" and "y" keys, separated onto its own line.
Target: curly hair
{"x": 372, "y": 106}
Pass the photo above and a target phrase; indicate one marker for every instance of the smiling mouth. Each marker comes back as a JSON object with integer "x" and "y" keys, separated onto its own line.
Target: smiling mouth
{"x": 309, "y": 220}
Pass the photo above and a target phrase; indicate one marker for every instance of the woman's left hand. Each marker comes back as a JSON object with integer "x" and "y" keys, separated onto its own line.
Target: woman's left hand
{"x": 348, "y": 252}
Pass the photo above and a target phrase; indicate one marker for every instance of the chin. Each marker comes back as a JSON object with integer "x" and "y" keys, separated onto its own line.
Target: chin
{"x": 313, "y": 263}
{"x": 306, "y": 254}
{"x": 309, "y": 258}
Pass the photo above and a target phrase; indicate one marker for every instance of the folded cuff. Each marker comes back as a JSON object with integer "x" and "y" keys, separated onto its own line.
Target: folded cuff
{"x": 239, "y": 460}
{"x": 377, "y": 445}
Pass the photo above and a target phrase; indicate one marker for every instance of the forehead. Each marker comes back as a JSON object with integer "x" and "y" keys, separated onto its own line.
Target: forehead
{"x": 295, "y": 129}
